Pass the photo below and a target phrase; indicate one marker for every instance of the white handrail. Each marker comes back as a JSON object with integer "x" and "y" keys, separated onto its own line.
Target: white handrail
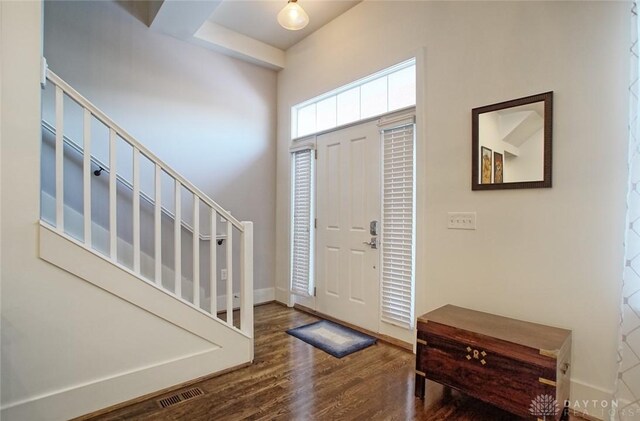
{"x": 76, "y": 96}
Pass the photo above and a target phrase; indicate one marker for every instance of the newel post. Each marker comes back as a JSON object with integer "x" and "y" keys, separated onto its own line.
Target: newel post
{"x": 246, "y": 286}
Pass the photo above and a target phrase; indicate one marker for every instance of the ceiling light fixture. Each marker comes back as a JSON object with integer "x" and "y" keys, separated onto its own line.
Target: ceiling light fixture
{"x": 292, "y": 16}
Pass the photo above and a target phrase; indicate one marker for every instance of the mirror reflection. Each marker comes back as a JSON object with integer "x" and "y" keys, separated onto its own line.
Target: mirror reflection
{"x": 512, "y": 144}
{"x": 513, "y": 139}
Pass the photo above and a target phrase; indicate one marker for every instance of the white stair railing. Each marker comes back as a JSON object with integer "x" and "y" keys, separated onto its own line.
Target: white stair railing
{"x": 213, "y": 211}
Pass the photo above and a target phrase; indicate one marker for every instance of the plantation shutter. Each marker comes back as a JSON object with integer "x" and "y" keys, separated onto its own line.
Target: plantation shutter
{"x": 398, "y": 226}
{"x": 301, "y": 229}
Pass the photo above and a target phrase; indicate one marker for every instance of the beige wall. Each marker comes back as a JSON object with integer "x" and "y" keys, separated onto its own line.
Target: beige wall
{"x": 552, "y": 256}
{"x": 67, "y": 346}
{"x": 210, "y": 117}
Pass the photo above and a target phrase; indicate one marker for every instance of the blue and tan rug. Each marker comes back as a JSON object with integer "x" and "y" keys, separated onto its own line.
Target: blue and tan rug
{"x": 332, "y": 338}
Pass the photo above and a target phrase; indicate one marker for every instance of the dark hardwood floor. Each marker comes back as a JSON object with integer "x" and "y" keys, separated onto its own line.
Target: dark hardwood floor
{"x": 291, "y": 380}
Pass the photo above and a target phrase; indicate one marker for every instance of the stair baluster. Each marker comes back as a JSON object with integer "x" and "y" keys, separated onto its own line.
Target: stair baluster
{"x": 180, "y": 227}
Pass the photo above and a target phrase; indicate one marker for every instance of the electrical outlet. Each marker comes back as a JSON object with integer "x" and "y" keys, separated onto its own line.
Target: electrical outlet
{"x": 461, "y": 220}
{"x": 223, "y": 274}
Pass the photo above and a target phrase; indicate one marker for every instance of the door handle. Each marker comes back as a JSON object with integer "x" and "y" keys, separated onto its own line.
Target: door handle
{"x": 373, "y": 243}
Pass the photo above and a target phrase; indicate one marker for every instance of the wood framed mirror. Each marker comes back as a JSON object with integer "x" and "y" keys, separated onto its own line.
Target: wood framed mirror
{"x": 511, "y": 144}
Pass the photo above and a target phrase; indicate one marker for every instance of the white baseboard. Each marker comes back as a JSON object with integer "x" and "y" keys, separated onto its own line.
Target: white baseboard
{"x": 260, "y": 296}
{"x": 264, "y": 295}
{"x": 283, "y": 296}
{"x": 592, "y": 401}
{"x": 226, "y": 346}
{"x": 101, "y": 393}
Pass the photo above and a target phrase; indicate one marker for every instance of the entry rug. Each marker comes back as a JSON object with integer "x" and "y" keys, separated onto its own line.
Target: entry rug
{"x": 332, "y": 338}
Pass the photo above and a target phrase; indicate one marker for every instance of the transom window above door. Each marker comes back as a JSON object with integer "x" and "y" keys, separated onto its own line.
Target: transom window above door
{"x": 388, "y": 90}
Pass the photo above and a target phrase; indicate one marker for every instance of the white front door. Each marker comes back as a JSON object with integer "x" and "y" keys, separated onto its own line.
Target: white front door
{"x": 348, "y": 200}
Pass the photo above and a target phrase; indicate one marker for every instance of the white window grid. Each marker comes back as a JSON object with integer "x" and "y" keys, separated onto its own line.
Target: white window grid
{"x": 306, "y": 113}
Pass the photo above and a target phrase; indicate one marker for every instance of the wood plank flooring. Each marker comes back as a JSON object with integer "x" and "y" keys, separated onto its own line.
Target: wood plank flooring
{"x": 291, "y": 380}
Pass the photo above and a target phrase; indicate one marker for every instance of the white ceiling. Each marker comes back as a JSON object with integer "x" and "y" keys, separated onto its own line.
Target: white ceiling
{"x": 257, "y": 18}
{"x": 245, "y": 29}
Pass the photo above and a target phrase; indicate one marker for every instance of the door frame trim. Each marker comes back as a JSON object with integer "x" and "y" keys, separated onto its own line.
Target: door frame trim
{"x": 385, "y": 121}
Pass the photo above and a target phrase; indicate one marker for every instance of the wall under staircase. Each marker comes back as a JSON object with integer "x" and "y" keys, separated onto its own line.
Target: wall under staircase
{"x": 79, "y": 332}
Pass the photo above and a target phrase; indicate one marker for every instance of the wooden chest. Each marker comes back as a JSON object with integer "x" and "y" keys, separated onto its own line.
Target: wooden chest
{"x": 506, "y": 362}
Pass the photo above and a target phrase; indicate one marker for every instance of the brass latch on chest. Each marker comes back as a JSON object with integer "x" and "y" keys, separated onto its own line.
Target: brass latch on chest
{"x": 476, "y": 355}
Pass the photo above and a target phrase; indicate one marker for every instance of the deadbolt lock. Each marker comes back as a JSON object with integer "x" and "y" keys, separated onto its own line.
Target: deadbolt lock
{"x": 373, "y": 227}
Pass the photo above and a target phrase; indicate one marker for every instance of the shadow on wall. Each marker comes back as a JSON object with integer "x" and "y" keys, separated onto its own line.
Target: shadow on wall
{"x": 210, "y": 117}
{"x": 138, "y": 9}
{"x": 197, "y": 110}
{"x": 74, "y": 222}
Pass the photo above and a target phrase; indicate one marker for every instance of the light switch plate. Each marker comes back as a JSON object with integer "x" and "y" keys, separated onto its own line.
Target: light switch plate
{"x": 461, "y": 220}
{"x": 223, "y": 274}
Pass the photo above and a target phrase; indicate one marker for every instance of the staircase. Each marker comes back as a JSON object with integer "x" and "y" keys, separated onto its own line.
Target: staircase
{"x": 116, "y": 216}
